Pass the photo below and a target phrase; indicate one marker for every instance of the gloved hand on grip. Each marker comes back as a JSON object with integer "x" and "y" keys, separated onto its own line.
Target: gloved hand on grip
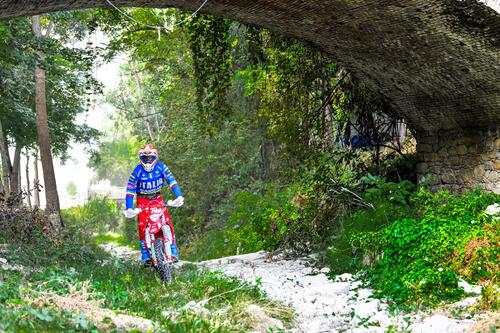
{"x": 130, "y": 213}
{"x": 177, "y": 202}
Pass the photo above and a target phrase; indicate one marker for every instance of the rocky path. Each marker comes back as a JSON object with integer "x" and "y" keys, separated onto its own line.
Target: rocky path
{"x": 322, "y": 304}
{"x": 341, "y": 304}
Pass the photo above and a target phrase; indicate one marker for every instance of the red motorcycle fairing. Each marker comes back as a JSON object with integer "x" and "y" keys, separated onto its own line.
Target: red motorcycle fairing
{"x": 156, "y": 218}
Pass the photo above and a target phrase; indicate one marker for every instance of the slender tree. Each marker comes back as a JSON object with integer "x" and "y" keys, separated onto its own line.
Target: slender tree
{"x": 51, "y": 195}
{"x": 36, "y": 182}
{"x": 15, "y": 182}
{"x": 6, "y": 165}
{"x": 27, "y": 170}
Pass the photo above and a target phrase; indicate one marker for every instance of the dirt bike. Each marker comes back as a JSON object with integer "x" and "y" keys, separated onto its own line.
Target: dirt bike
{"x": 159, "y": 238}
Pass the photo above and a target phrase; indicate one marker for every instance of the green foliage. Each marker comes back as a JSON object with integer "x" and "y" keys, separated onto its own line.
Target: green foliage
{"x": 19, "y": 315}
{"x": 418, "y": 244}
{"x": 210, "y": 43}
{"x": 69, "y": 81}
{"x": 98, "y": 215}
{"x": 358, "y": 236}
{"x": 265, "y": 222}
{"x": 114, "y": 160}
{"x": 71, "y": 189}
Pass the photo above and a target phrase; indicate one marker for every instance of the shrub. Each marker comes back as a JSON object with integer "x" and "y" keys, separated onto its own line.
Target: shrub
{"x": 424, "y": 255}
{"x": 265, "y": 222}
{"x": 358, "y": 240}
{"x": 98, "y": 215}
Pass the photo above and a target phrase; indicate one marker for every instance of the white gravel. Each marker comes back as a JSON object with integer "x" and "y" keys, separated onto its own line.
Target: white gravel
{"x": 326, "y": 305}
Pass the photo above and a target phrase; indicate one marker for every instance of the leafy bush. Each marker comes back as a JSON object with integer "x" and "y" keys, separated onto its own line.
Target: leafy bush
{"x": 265, "y": 222}
{"x": 414, "y": 244}
{"x": 297, "y": 217}
{"x": 358, "y": 239}
{"x": 97, "y": 215}
{"x": 423, "y": 255}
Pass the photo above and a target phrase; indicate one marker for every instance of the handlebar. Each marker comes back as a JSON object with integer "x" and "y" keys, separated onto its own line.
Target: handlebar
{"x": 137, "y": 210}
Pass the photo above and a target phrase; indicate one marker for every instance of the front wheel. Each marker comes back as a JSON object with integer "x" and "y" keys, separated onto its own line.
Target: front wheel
{"x": 162, "y": 266}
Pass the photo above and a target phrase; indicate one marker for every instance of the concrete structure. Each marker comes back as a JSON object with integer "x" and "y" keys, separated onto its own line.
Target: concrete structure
{"x": 436, "y": 61}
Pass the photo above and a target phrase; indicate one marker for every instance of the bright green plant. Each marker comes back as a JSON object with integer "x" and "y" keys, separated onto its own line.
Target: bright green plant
{"x": 449, "y": 237}
{"x": 265, "y": 222}
{"x": 359, "y": 236}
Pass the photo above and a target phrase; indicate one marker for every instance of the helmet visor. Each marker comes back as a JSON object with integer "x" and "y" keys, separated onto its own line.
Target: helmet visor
{"x": 147, "y": 159}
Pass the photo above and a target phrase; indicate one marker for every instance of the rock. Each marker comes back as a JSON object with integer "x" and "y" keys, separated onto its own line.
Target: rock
{"x": 465, "y": 303}
{"x": 3, "y": 261}
{"x": 332, "y": 289}
{"x": 356, "y": 284}
{"x": 368, "y": 309}
{"x": 325, "y": 270}
{"x": 468, "y": 288}
{"x": 461, "y": 150}
{"x": 260, "y": 321}
{"x": 440, "y": 324}
{"x": 382, "y": 318}
{"x": 364, "y": 293}
{"x": 197, "y": 308}
{"x": 492, "y": 210}
{"x": 306, "y": 271}
{"x": 344, "y": 277}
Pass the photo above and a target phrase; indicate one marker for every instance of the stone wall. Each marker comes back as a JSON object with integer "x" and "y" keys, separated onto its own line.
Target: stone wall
{"x": 461, "y": 159}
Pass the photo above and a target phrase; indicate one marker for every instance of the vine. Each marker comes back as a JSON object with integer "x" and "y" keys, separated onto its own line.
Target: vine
{"x": 210, "y": 43}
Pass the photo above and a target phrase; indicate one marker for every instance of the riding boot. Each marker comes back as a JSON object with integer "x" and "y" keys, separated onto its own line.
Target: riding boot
{"x": 175, "y": 251}
{"x": 144, "y": 253}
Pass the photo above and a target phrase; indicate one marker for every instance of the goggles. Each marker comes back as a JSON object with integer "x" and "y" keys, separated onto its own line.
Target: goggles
{"x": 147, "y": 159}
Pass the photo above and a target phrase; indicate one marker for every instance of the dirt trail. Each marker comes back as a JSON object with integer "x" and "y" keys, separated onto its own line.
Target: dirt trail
{"x": 341, "y": 304}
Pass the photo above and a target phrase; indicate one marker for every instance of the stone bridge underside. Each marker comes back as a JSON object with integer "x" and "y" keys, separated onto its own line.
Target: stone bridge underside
{"x": 436, "y": 61}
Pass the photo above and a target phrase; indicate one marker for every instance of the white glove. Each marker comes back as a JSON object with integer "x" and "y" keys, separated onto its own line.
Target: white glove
{"x": 130, "y": 213}
{"x": 177, "y": 202}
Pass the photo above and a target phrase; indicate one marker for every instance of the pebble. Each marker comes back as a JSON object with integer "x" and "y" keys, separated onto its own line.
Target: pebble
{"x": 325, "y": 270}
{"x": 469, "y": 288}
{"x": 440, "y": 324}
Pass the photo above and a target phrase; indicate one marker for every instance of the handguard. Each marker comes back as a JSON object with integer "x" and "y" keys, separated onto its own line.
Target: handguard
{"x": 176, "y": 203}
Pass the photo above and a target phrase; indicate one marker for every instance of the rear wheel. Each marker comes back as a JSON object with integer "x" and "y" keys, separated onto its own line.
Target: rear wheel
{"x": 162, "y": 266}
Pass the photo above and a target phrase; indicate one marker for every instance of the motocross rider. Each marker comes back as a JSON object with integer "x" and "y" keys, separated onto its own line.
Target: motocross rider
{"x": 145, "y": 182}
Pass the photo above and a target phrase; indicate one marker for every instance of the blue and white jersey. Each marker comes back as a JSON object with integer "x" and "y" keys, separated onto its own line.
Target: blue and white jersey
{"x": 143, "y": 182}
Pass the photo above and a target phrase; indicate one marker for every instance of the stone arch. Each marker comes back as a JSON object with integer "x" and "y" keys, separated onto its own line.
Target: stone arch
{"x": 436, "y": 61}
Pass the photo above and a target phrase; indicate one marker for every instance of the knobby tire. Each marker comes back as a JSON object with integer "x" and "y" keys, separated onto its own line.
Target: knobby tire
{"x": 162, "y": 266}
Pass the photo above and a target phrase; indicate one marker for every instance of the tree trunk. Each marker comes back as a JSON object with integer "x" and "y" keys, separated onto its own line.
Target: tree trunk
{"x": 27, "y": 170}
{"x": 15, "y": 184}
{"x": 51, "y": 196}
{"x": 36, "y": 182}
{"x": 6, "y": 164}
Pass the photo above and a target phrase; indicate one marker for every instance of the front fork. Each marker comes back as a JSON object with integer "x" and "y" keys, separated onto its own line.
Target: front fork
{"x": 167, "y": 241}
{"x": 150, "y": 240}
